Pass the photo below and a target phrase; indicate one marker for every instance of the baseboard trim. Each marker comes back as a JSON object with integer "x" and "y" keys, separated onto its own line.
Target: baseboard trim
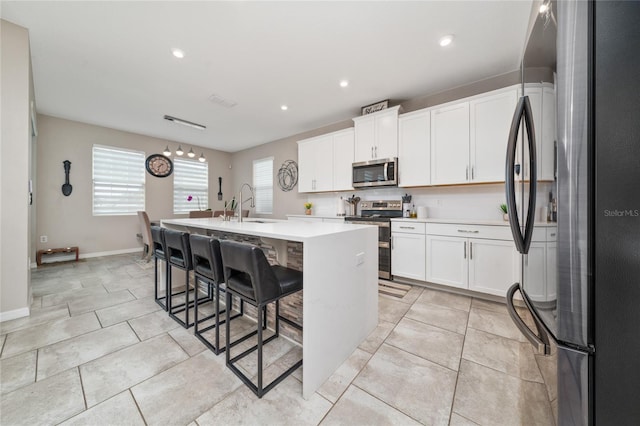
{"x": 110, "y": 253}
{"x": 68, "y": 257}
{"x": 16, "y": 313}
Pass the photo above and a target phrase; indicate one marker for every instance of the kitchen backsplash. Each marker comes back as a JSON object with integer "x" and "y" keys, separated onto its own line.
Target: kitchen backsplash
{"x": 452, "y": 202}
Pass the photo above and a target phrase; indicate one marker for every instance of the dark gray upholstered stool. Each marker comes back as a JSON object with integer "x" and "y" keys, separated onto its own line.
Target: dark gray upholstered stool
{"x": 249, "y": 276}
{"x": 178, "y": 253}
{"x": 207, "y": 268}
{"x": 159, "y": 251}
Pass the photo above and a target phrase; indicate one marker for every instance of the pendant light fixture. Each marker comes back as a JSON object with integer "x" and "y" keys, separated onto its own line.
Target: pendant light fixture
{"x": 180, "y": 152}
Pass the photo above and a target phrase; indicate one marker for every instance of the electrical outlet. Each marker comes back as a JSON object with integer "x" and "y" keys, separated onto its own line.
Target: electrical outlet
{"x": 43, "y": 238}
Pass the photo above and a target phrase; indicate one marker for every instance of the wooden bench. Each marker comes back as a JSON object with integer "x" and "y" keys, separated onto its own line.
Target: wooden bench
{"x": 56, "y": 250}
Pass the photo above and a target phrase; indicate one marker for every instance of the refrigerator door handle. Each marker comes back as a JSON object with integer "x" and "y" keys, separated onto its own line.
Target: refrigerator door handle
{"x": 510, "y": 189}
{"x": 533, "y": 174}
{"x": 541, "y": 346}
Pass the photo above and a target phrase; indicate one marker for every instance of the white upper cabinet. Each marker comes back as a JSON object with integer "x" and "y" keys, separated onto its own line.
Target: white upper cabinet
{"x": 414, "y": 148}
{"x": 324, "y": 162}
{"x": 376, "y": 135}
{"x": 549, "y": 138}
{"x": 469, "y": 139}
{"x": 343, "y": 145}
{"x": 450, "y": 144}
{"x": 315, "y": 164}
{"x": 490, "y": 122}
{"x": 543, "y": 106}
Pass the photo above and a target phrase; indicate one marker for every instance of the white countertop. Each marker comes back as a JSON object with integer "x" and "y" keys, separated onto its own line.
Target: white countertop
{"x": 269, "y": 228}
{"x": 319, "y": 216}
{"x": 468, "y": 222}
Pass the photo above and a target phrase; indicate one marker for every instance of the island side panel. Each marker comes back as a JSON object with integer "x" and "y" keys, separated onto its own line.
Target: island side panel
{"x": 340, "y": 301}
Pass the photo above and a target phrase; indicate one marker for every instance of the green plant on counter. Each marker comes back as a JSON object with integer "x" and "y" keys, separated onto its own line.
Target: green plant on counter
{"x": 308, "y": 205}
{"x": 503, "y": 208}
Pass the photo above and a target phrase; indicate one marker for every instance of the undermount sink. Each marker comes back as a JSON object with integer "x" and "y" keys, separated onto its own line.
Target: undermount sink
{"x": 260, "y": 220}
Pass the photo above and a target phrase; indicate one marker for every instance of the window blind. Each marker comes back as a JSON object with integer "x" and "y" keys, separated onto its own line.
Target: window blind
{"x": 263, "y": 185}
{"x": 190, "y": 178}
{"x": 118, "y": 181}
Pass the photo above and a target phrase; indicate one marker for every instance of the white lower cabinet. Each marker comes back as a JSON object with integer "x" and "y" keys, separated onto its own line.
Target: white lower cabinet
{"x": 408, "y": 255}
{"x": 447, "y": 261}
{"x": 535, "y": 274}
{"x": 492, "y": 266}
{"x": 408, "y": 250}
{"x": 481, "y": 258}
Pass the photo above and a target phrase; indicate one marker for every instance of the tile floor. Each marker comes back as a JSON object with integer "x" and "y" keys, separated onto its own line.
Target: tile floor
{"x": 97, "y": 350}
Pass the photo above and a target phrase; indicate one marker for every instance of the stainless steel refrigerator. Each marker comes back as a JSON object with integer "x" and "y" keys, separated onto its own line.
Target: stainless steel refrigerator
{"x": 585, "y": 304}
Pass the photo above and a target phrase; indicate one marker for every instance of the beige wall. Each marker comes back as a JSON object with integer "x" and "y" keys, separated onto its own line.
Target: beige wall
{"x": 284, "y": 149}
{"x": 287, "y": 149}
{"x": 15, "y": 155}
{"x": 69, "y": 221}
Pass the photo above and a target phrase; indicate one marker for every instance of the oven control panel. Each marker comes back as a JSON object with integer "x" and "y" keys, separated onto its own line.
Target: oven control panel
{"x": 381, "y": 205}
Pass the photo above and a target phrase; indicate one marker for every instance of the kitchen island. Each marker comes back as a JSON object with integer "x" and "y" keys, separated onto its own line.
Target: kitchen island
{"x": 340, "y": 289}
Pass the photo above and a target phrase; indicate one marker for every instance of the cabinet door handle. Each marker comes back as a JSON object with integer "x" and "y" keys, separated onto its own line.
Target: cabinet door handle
{"x": 466, "y": 173}
{"x": 472, "y": 172}
{"x": 372, "y": 152}
{"x": 552, "y": 235}
{"x": 465, "y": 231}
{"x": 376, "y": 152}
{"x": 407, "y": 227}
{"x": 470, "y": 250}
{"x": 465, "y": 249}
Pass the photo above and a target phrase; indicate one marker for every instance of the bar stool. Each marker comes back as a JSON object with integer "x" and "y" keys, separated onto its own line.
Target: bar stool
{"x": 207, "y": 268}
{"x": 158, "y": 251}
{"x": 249, "y": 276}
{"x": 178, "y": 253}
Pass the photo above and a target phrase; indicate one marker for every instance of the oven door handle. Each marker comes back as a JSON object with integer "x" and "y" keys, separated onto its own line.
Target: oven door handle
{"x": 386, "y": 171}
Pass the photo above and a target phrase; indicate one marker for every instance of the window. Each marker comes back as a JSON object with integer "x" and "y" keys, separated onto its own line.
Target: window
{"x": 190, "y": 178}
{"x": 118, "y": 181}
{"x": 263, "y": 185}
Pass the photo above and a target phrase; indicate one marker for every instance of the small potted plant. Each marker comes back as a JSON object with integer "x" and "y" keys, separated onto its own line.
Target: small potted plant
{"x": 307, "y": 208}
{"x": 505, "y": 212}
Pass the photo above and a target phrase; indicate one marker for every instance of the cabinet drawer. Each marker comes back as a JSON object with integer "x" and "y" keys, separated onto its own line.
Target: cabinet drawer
{"x": 408, "y": 227}
{"x": 472, "y": 231}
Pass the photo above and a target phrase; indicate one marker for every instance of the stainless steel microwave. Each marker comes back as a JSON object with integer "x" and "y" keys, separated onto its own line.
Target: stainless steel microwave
{"x": 383, "y": 172}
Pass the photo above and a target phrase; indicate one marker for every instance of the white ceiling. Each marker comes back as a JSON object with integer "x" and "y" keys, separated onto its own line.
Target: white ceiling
{"x": 110, "y": 63}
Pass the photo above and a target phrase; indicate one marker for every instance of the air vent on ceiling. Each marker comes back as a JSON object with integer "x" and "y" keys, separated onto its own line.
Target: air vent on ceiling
{"x": 219, "y": 100}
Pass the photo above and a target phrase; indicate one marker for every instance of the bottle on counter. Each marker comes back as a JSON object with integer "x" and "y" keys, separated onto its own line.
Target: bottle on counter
{"x": 414, "y": 213}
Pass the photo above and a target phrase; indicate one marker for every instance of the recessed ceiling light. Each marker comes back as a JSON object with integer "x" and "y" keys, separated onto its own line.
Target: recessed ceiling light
{"x": 446, "y": 40}
{"x": 344, "y": 83}
{"x": 284, "y": 107}
{"x": 543, "y": 7}
{"x": 177, "y": 53}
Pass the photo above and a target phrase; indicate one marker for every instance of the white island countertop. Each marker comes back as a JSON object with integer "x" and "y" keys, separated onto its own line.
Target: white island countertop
{"x": 268, "y": 228}
{"x": 340, "y": 297}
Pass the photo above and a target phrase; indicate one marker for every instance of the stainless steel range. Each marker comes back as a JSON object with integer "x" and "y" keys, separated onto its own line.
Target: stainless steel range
{"x": 379, "y": 213}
